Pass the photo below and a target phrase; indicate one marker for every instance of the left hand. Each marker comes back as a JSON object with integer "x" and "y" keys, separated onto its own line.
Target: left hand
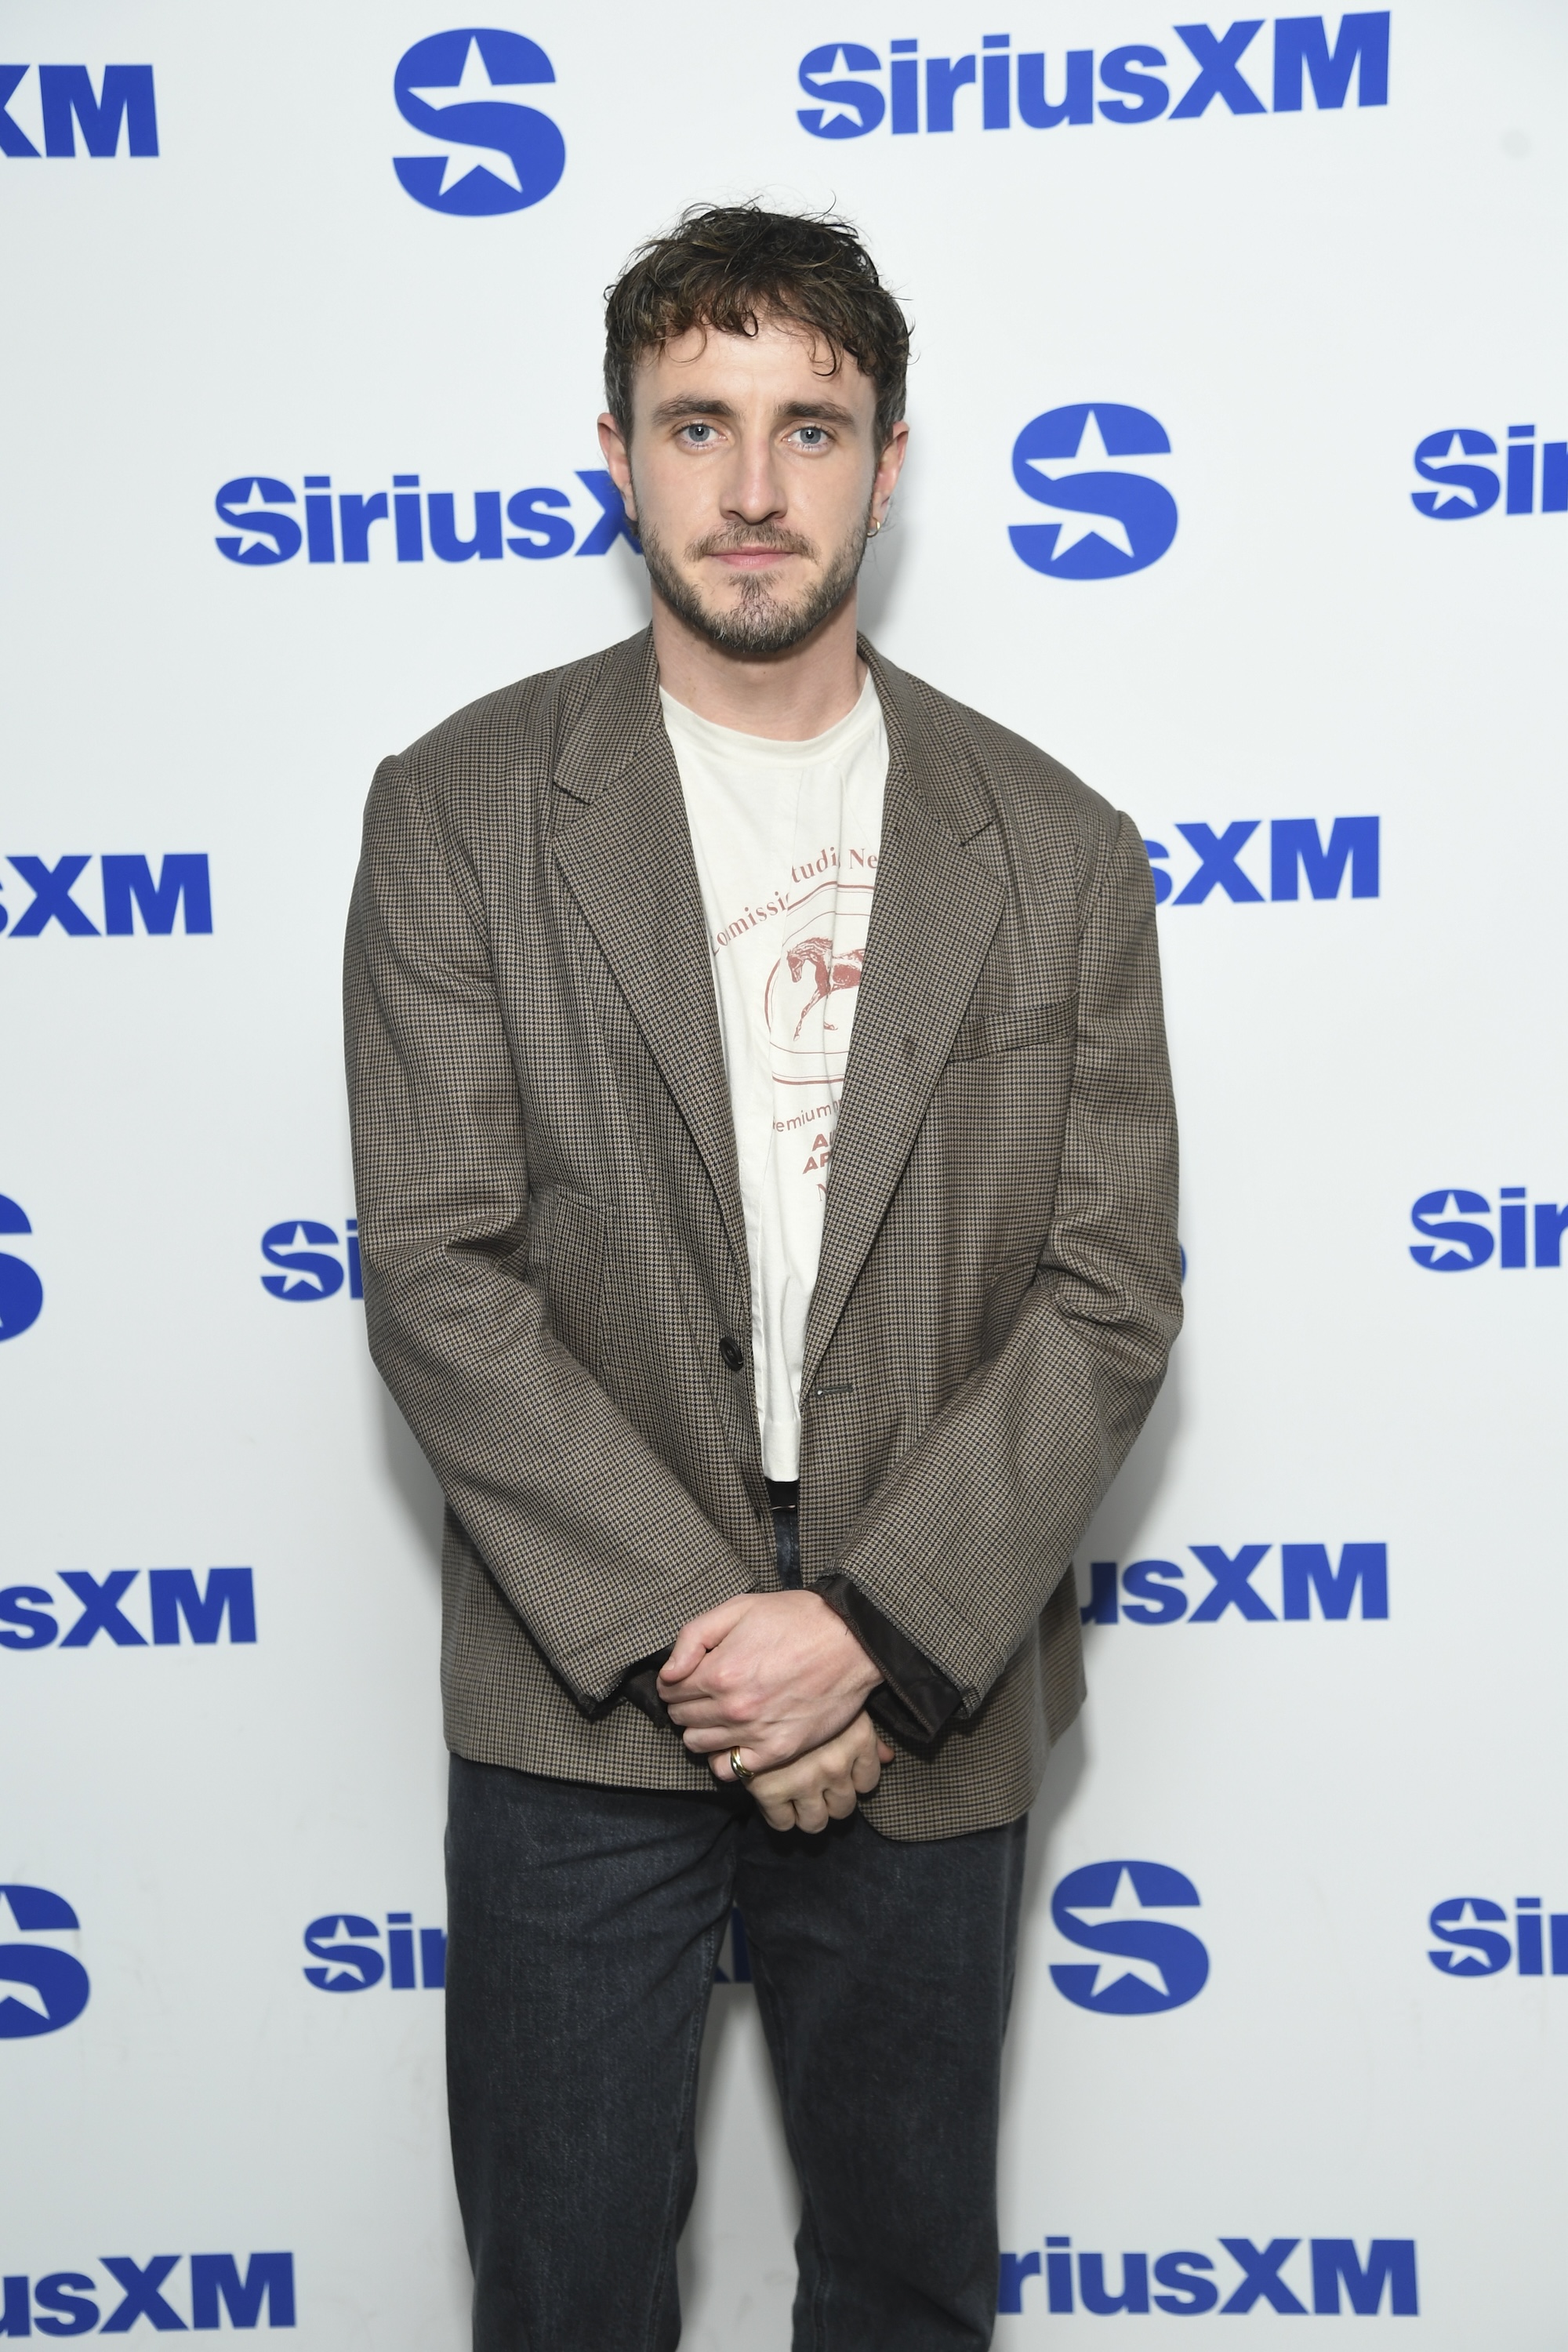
{"x": 774, "y": 1675}
{"x": 827, "y": 1785}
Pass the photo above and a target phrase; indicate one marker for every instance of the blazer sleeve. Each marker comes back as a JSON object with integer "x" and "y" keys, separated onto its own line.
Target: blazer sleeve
{"x": 596, "y": 1543}
{"x": 966, "y": 1540}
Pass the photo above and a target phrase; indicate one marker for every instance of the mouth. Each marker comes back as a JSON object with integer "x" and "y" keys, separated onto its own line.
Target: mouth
{"x": 752, "y": 559}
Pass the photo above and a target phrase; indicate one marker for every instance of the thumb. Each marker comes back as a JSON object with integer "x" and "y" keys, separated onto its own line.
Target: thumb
{"x": 884, "y": 1751}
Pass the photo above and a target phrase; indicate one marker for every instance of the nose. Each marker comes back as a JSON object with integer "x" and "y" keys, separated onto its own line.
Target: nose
{"x": 753, "y": 491}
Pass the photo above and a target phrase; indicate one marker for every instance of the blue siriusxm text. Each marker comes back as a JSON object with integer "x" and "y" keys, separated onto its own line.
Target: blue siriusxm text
{"x": 406, "y": 523}
{"x": 1533, "y": 472}
{"x": 347, "y": 1949}
{"x": 174, "y": 1606}
{"x": 44, "y": 107}
{"x": 1275, "y": 2276}
{"x": 1303, "y": 1582}
{"x": 1323, "y": 855}
{"x": 1472, "y": 1932}
{"x": 304, "y": 1253}
{"x": 241, "y": 2289}
{"x": 132, "y": 899}
{"x": 1454, "y": 1241}
{"x": 991, "y": 87}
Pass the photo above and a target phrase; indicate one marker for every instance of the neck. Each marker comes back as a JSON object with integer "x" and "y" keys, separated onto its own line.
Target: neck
{"x": 787, "y": 697}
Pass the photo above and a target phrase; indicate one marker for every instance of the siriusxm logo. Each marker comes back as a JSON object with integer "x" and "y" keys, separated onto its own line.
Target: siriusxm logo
{"x": 21, "y": 1291}
{"x": 447, "y": 87}
{"x": 177, "y": 1607}
{"x": 261, "y": 532}
{"x": 348, "y": 1945}
{"x": 131, "y": 896}
{"x": 1113, "y": 522}
{"x": 1153, "y": 1964}
{"x": 1297, "y": 853}
{"x": 1155, "y": 1592}
{"x": 44, "y": 106}
{"x": 43, "y": 1985}
{"x": 1456, "y": 1243}
{"x": 1188, "y": 2277}
{"x": 1041, "y": 94}
{"x": 70, "y": 2303}
{"x": 1474, "y": 1946}
{"x": 1466, "y": 489}
{"x": 300, "y": 1249}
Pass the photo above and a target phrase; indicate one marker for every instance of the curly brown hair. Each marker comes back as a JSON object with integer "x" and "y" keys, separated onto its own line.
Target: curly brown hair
{"x": 731, "y": 267}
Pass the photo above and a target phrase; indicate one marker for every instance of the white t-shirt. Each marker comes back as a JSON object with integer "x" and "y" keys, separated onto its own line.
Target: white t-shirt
{"x": 785, "y": 837}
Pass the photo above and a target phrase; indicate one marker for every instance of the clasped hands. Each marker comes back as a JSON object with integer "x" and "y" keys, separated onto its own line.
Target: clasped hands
{"x": 782, "y": 1680}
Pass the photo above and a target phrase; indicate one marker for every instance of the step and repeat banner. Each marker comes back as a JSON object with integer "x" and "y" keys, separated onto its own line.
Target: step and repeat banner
{"x": 1239, "y": 481}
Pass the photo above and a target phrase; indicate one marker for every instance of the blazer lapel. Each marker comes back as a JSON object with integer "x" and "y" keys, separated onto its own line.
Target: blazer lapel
{"x": 628, "y": 860}
{"x": 934, "y": 916}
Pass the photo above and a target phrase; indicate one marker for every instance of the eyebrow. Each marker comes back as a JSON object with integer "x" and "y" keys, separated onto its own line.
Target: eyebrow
{"x": 813, "y": 412}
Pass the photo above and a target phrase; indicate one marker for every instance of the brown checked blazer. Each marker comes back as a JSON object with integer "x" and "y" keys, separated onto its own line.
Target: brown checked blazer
{"x": 555, "y": 1248}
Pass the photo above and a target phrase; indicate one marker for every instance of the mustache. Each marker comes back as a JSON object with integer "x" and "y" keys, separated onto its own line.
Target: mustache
{"x": 749, "y": 535}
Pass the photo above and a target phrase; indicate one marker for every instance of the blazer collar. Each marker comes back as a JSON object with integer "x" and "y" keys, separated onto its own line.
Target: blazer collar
{"x": 621, "y": 713}
{"x": 626, "y": 856}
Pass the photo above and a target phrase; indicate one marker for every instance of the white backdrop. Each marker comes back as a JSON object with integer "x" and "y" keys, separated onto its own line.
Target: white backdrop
{"x": 1298, "y": 300}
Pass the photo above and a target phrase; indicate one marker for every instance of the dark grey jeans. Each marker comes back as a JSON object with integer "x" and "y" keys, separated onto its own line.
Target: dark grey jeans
{"x": 584, "y": 1925}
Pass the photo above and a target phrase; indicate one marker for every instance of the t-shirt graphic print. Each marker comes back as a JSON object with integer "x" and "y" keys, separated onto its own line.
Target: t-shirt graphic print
{"x": 785, "y": 838}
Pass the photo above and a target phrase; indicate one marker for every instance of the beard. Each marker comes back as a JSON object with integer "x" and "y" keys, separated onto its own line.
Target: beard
{"x": 759, "y": 622}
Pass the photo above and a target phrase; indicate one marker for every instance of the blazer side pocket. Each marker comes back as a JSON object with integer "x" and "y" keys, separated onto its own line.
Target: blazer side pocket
{"x": 984, "y": 1033}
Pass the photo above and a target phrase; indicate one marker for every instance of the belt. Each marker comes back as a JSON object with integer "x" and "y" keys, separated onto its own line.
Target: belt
{"x": 784, "y": 1494}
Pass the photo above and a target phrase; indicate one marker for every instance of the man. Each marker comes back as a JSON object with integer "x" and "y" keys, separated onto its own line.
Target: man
{"x": 766, "y": 1174}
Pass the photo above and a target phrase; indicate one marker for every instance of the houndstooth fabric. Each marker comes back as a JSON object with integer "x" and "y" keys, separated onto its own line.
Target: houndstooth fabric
{"x": 554, "y": 1249}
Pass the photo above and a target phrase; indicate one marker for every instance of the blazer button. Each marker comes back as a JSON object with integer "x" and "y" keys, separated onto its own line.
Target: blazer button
{"x": 733, "y": 1354}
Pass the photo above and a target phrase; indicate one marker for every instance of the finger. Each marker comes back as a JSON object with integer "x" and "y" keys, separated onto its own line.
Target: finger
{"x": 865, "y": 1772}
{"x": 840, "y": 1800}
{"x": 694, "y": 1714}
{"x": 884, "y": 1751}
{"x": 811, "y": 1814}
{"x": 697, "y": 1684}
{"x": 778, "y": 1812}
{"x": 703, "y": 1741}
{"x": 703, "y": 1634}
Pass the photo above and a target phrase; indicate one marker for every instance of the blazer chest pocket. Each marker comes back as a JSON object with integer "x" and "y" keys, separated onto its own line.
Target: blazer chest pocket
{"x": 567, "y": 1258}
{"x": 985, "y": 1033}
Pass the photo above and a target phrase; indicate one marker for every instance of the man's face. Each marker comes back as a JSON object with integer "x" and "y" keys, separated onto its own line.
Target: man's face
{"x": 753, "y": 476}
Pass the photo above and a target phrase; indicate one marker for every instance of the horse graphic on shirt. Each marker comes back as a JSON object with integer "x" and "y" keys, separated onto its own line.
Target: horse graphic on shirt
{"x": 819, "y": 960}
{"x": 831, "y": 975}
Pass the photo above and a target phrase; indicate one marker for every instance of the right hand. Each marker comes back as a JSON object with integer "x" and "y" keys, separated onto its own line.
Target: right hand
{"x": 825, "y": 1784}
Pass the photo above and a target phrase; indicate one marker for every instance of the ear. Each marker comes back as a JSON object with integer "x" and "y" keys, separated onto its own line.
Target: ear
{"x": 617, "y": 460}
{"x": 890, "y": 466}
